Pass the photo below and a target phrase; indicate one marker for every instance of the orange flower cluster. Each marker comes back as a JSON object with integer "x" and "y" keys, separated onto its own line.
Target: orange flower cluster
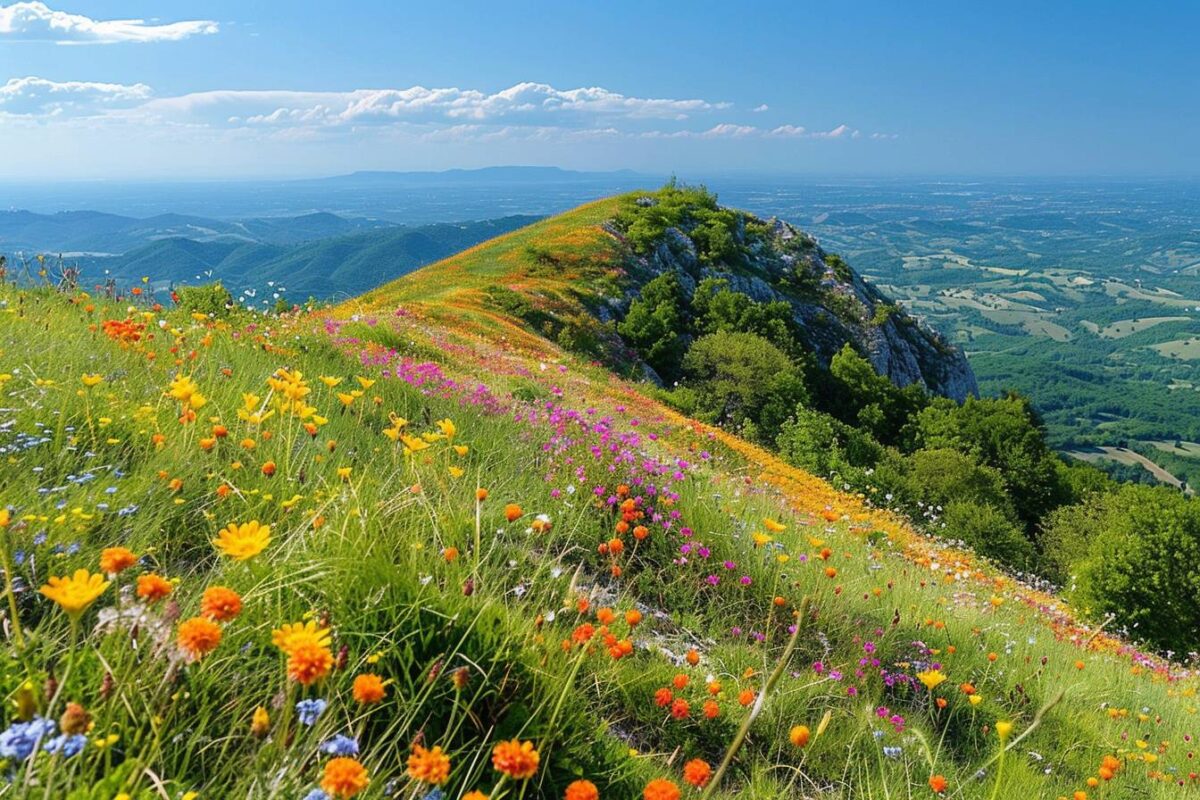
{"x": 124, "y": 331}
{"x": 516, "y": 759}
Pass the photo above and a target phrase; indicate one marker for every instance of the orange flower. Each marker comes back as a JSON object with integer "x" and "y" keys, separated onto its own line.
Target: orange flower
{"x": 697, "y": 772}
{"x": 516, "y": 759}
{"x": 153, "y": 588}
{"x": 220, "y": 603}
{"x": 680, "y": 709}
{"x": 199, "y": 636}
{"x": 309, "y": 662}
{"x": 430, "y": 766}
{"x": 369, "y": 689}
{"x": 937, "y": 783}
{"x": 481, "y": 495}
{"x": 582, "y": 790}
{"x": 633, "y": 617}
{"x": 512, "y": 512}
{"x": 661, "y": 789}
{"x": 799, "y": 735}
{"x": 475, "y": 795}
{"x": 711, "y": 709}
{"x": 344, "y": 778}
{"x": 746, "y": 697}
{"x": 116, "y": 559}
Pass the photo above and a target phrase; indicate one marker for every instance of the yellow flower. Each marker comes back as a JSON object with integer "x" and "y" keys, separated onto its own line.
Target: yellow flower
{"x": 447, "y": 428}
{"x": 1003, "y": 729}
{"x": 330, "y": 381}
{"x": 76, "y": 593}
{"x": 932, "y": 678}
{"x": 91, "y": 380}
{"x": 243, "y": 541}
{"x": 365, "y": 383}
{"x": 290, "y": 636}
{"x": 456, "y": 472}
{"x": 260, "y": 723}
{"x": 344, "y": 473}
{"x": 773, "y": 526}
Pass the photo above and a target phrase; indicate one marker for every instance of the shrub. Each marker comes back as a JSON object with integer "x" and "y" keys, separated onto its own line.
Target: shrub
{"x": 211, "y": 298}
{"x": 988, "y": 530}
{"x": 1137, "y": 550}
{"x": 655, "y": 325}
{"x": 738, "y": 376}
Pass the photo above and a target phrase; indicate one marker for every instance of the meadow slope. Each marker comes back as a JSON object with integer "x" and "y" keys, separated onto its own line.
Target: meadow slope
{"x": 482, "y": 541}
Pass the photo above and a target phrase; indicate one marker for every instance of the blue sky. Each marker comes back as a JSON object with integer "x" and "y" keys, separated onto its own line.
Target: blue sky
{"x": 267, "y": 89}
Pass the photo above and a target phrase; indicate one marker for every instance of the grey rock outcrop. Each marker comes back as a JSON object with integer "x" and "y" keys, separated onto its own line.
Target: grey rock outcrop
{"x": 839, "y": 307}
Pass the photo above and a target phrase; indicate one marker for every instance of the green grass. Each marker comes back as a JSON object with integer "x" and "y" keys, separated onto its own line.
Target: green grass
{"x": 376, "y": 571}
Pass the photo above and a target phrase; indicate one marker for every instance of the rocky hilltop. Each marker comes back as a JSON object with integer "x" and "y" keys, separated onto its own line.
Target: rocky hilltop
{"x": 772, "y": 261}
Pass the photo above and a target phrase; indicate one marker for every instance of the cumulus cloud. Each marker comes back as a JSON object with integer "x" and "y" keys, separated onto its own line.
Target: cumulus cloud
{"x": 762, "y": 108}
{"x": 526, "y": 112}
{"x": 528, "y": 103}
{"x": 38, "y": 96}
{"x": 37, "y": 21}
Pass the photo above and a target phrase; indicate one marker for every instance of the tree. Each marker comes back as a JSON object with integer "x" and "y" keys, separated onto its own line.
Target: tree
{"x": 823, "y": 445}
{"x": 989, "y": 531}
{"x": 716, "y": 307}
{"x": 655, "y": 325}
{"x": 1139, "y": 549}
{"x": 739, "y": 375}
{"x": 863, "y": 398}
{"x": 1005, "y": 434}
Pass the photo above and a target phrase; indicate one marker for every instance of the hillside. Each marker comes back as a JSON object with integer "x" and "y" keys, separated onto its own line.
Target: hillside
{"x": 571, "y": 274}
{"x": 494, "y": 568}
{"x": 326, "y": 266}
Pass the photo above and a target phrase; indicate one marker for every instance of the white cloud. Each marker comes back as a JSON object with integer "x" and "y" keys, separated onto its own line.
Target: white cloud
{"x": 527, "y": 114}
{"x": 37, "y": 21}
{"x": 762, "y": 108}
{"x": 836, "y": 133}
{"x": 38, "y": 96}
{"x": 529, "y": 103}
{"x": 787, "y": 130}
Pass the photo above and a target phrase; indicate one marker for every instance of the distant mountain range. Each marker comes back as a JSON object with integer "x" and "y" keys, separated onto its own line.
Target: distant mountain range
{"x": 320, "y": 255}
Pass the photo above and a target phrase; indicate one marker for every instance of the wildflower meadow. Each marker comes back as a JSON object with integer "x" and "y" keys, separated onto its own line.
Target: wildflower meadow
{"x": 399, "y": 549}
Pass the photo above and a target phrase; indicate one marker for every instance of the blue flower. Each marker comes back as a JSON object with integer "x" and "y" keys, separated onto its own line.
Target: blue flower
{"x": 434, "y": 794}
{"x": 21, "y": 738}
{"x": 340, "y": 745}
{"x": 67, "y": 745}
{"x": 316, "y": 794}
{"x": 309, "y": 710}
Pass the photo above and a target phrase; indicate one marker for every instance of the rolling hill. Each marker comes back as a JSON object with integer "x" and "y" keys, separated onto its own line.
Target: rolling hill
{"x": 429, "y": 544}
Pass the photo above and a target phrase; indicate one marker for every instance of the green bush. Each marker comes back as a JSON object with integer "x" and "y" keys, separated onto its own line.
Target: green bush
{"x": 988, "y": 530}
{"x": 1135, "y": 553}
{"x": 211, "y": 299}
{"x": 655, "y": 325}
{"x": 739, "y": 377}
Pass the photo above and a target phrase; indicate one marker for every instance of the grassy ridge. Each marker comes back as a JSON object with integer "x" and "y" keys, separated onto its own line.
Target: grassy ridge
{"x": 377, "y": 533}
